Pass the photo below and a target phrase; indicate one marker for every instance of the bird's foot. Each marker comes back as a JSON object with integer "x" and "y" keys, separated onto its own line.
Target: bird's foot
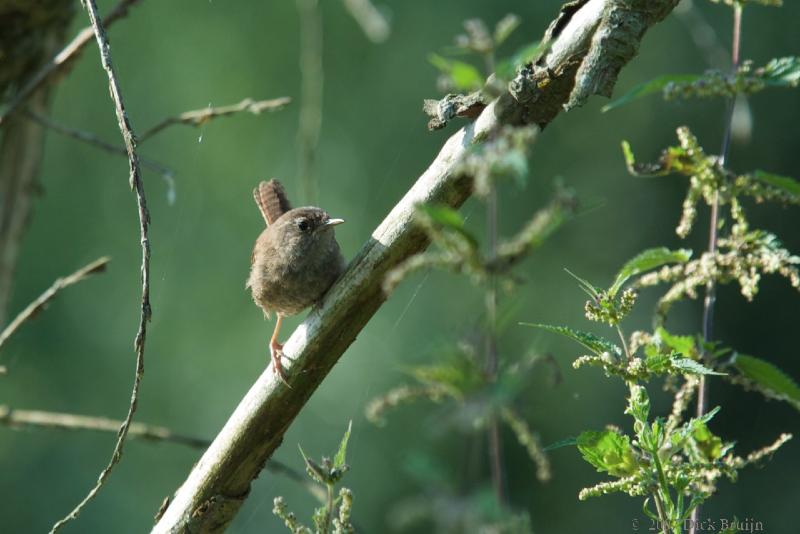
{"x": 276, "y": 353}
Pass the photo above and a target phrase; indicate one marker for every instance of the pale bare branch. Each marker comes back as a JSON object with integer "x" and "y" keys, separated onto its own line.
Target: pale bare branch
{"x": 144, "y": 221}
{"x": 199, "y": 117}
{"x": 97, "y": 266}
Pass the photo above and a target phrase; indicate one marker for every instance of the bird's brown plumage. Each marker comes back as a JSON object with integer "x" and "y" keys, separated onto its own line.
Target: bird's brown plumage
{"x": 271, "y": 200}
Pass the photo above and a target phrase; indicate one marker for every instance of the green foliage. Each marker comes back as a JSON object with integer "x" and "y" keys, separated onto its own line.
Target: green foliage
{"x": 648, "y": 88}
{"x": 779, "y": 72}
{"x": 596, "y": 344}
{"x": 607, "y": 451}
{"x": 647, "y": 261}
{"x": 461, "y": 76}
{"x": 708, "y": 180}
{"x": 768, "y": 3}
{"x": 460, "y": 377}
{"x": 458, "y": 250}
{"x": 334, "y": 516}
{"x": 766, "y": 378}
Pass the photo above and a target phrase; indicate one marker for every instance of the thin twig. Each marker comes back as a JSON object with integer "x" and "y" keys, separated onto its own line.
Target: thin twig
{"x": 311, "y": 84}
{"x": 374, "y": 24}
{"x": 144, "y": 221}
{"x": 69, "y": 421}
{"x": 94, "y": 140}
{"x": 493, "y": 435}
{"x": 711, "y": 290}
{"x": 97, "y": 266}
{"x": 198, "y": 117}
{"x": 64, "y": 58}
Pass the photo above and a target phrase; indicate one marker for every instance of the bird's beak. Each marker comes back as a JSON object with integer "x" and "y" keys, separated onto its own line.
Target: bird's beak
{"x": 333, "y": 222}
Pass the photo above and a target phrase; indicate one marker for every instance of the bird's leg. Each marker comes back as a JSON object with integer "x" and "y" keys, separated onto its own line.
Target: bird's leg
{"x": 276, "y": 350}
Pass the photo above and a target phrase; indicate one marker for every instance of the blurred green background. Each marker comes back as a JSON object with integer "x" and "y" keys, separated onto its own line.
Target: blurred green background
{"x": 207, "y": 341}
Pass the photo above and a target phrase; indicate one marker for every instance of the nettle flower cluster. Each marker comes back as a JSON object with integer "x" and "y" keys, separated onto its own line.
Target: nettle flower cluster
{"x": 746, "y": 80}
{"x": 743, "y": 254}
{"x": 333, "y": 516}
{"x": 674, "y": 462}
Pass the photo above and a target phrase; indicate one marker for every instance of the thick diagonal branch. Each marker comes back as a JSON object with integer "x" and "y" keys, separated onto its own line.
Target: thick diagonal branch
{"x": 218, "y": 484}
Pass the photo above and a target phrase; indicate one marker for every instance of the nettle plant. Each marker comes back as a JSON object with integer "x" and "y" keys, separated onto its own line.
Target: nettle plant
{"x": 479, "y": 385}
{"x": 676, "y": 462}
{"x": 333, "y": 517}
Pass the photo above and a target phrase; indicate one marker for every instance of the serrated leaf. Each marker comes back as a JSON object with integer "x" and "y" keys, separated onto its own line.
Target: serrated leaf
{"x": 647, "y": 88}
{"x": 594, "y": 343}
{"x": 504, "y": 28}
{"x": 314, "y": 469}
{"x": 590, "y": 289}
{"x": 693, "y": 367}
{"x": 341, "y": 454}
{"x": 646, "y": 261}
{"x": 783, "y": 72}
{"x": 774, "y": 381}
{"x": 607, "y": 451}
{"x": 682, "y": 344}
{"x": 784, "y": 183}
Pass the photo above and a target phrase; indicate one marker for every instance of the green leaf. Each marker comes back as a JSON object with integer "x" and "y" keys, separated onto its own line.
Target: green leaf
{"x": 592, "y": 290}
{"x": 607, "y": 451}
{"x": 341, "y": 454}
{"x": 693, "y": 367}
{"x": 774, "y": 382}
{"x": 594, "y": 343}
{"x": 707, "y": 442}
{"x": 504, "y": 28}
{"x": 648, "y": 260}
{"x": 444, "y": 215}
{"x": 783, "y": 72}
{"x": 647, "y": 88}
{"x": 448, "y": 218}
{"x": 314, "y": 469}
{"x": 464, "y": 76}
{"x": 683, "y": 344}
{"x": 784, "y": 183}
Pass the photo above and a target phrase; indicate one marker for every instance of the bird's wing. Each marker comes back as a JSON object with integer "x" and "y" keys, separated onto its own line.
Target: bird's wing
{"x": 271, "y": 200}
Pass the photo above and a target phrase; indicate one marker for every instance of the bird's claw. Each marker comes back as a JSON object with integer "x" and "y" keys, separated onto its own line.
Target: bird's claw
{"x": 276, "y": 353}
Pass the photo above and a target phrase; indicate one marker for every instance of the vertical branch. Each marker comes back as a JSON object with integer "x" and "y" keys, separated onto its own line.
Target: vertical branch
{"x": 144, "y": 220}
{"x": 311, "y": 80}
{"x": 495, "y": 445}
{"x": 36, "y": 32}
{"x": 711, "y": 290}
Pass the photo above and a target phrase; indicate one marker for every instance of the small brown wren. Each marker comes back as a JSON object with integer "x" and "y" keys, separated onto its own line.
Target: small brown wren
{"x": 295, "y": 260}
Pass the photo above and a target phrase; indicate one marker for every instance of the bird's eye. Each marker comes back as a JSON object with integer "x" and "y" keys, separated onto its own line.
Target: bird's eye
{"x": 303, "y": 225}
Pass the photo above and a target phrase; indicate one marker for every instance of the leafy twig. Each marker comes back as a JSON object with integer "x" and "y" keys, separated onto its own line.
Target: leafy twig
{"x": 144, "y": 221}
{"x": 97, "y": 266}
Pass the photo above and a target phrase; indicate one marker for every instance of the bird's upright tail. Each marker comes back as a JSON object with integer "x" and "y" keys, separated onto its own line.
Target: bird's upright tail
{"x": 271, "y": 200}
